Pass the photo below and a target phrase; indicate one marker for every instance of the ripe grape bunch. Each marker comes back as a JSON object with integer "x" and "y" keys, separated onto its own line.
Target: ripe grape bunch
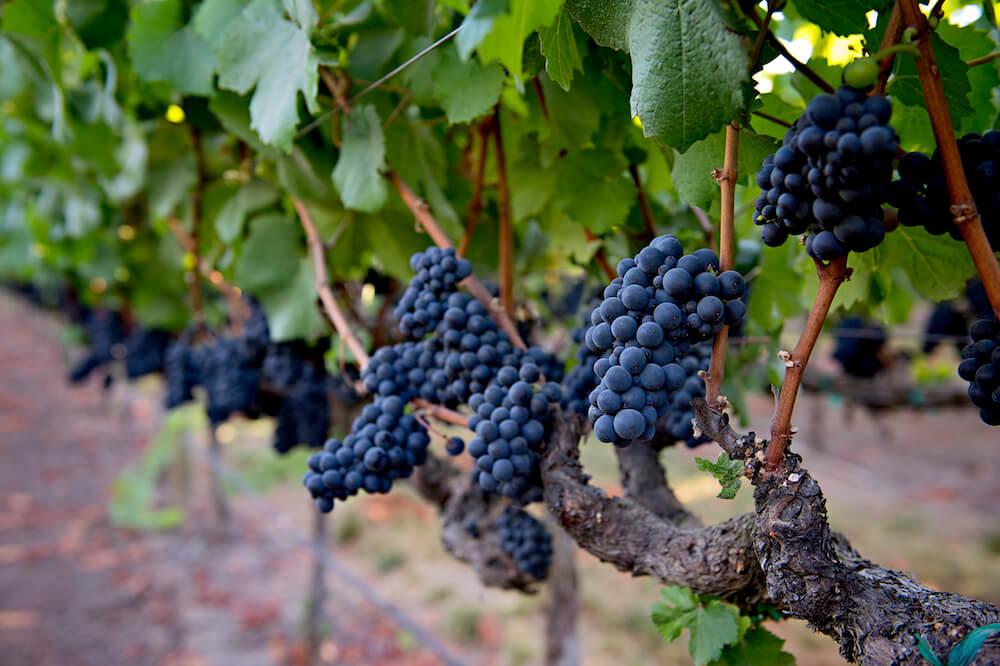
{"x": 981, "y": 368}
{"x": 662, "y": 302}
{"x": 679, "y": 418}
{"x": 526, "y": 540}
{"x": 921, "y": 193}
{"x": 384, "y": 445}
{"x": 830, "y": 177}
{"x": 421, "y": 307}
{"x": 581, "y": 380}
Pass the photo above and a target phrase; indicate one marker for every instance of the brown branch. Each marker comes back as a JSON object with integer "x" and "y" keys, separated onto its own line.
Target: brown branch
{"x": 645, "y": 482}
{"x": 774, "y": 119}
{"x": 758, "y": 43}
{"x": 644, "y": 207}
{"x": 600, "y": 257}
{"x": 441, "y": 413}
{"x": 232, "y": 294}
{"x": 802, "y": 68}
{"x": 476, "y": 202}
{"x": 540, "y": 94}
{"x": 831, "y": 276}
{"x": 506, "y": 240}
{"x": 727, "y": 181}
{"x": 323, "y": 287}
{"x": 197, "y": 196}
{"x": 963, "y": 206}
{"x": 421, "y": 211}
{"x": 706, "y": 224}
{"x": 892, "y": 32}
{"x": 342, "y": 102}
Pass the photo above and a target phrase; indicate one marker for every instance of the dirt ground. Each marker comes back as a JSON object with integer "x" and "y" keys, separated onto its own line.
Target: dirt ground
{"x": 75, "y": 589}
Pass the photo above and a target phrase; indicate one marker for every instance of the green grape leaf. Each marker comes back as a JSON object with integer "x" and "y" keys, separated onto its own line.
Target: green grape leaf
{"x": 270, "y": 254}
{"x": 213, "y": 17}
{"x": 291, "y": 306}
{"x": 758, "y": 646}
{"x": 477, "y": 25}
{"x": 505, "y": 41}
{"x": 688, "y": 68}
{"x": 162, "y": 48}
{"x": 972, "y": 43}
{"x": 591, "y": 189}
{"x": 297, "y": 175}
{"x": 250, "y": 198}
{"x": 302, "y": 12}
{"x": 559, "y": 46}
{"x": 99, "y": 23}
{"x": 728, "y": 472}
{"x": 693, "y": 169}
{"x": 260, "y": 50}
{"x": 713, "y": 625}
{"x": 937, "y": 266}
{"x": 358, "y": 174}
{"x": 842, "y": 17}
{"x": 531, "y": 187}
{"x": 465, "y": 89}
{"x": 34, "y": 25}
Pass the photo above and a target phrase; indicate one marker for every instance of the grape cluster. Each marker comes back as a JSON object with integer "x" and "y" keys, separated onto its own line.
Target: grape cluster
{"x": 921, "y": 193}
{"x": 106, "y": 331}
{"x": 662, "y": 302}
{"x": 859, "y": 343}
{"x": 304, "y": 414}
{"x": 180, "y": 371}
{"x": 582, "y": 379}
{"x": 980, "y": 367}
{"x": 946, "y": 321}
{"x": 421, "y": 306}
{"x": 510, "y": 421}
{"x": 229, "y": 376}
{"x": 384, "y": 445}
{"x": 830, "y": 176}
{"x": 282, "y": 366}
{"x": 526, "y": 540}
{"x": 680, "y": 415}
{"x": 145, "y": 351}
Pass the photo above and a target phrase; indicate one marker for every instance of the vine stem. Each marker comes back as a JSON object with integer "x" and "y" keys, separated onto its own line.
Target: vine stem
{"x": 727, "y": 181}
{"x": 442, "y": 413}
{"x": 600, "y": 258}
{"x": 759, "y": 42}
{"x": 197, "y": 196}
{"x": 422, "y": 213}
{"x": 323, "y": 287}
{"x": 892, "y": 32}
{"x": 705, "y": 223}
{"x": 800, "y": 66}
{"x": 963, "y": 205}
{"x": 774, "y": 119}
{"x": 476, "y": 202}
{"x": 506, "y": 231}
{"x": 831, "y": 276}
{"x": 231, "y": 293}
{"x": 982, "y": 60}
{"x": 644, "y": 208}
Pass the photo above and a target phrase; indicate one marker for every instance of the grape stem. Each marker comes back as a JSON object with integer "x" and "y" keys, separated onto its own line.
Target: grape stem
{"x": 232, "y": 294}
{"x": 476, "y": 202}
{"x": 963, "y": 205}
{"x": 441, "y": 413}
{"x": 982, "y": 60}
{"x": 727, "y": 181}
{"x": 197, "y": 196}
{"x": 885, "y": 64}
{"x": 421, "y": 211}
{"x": 323, "y": 287}
{"x": 761, "y": 36}
{"x": 506, "y": 240}
{"x": 644, "y": 208}
{"x": 338, "y": 95}
{"x": 800, "y": 66}
{"x": 831, "y": 276}
{"x": 600, "y": 258}
{"x": 896, "y": 48}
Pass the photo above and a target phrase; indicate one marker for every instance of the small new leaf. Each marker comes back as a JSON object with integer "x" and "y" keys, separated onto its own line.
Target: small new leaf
{"x": 713, "y": 625}
{"x": 758, "y": 646}
{"x": 727, "y": 471}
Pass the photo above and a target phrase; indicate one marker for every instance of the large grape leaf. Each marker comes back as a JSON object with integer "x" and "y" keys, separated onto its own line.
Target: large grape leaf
{"x": 251, "y": 197}
{"x": 937, "y": 266}
{"x": 358, "y": 174}
{"x": 758, "y": 646}
{"x": 291, "y": 307}
{"x": 260, "y": 50}
{"x": 270, "y": 254}
{"x": 983, "y": 79}
{"x": 505, "y": 41}
{"x": 688, "y": 68}
{"x": 162, "y": 48}
{"x": 213, "y": 17}
{"x": 478, "y": 24}
{"x": 843, "y": 17}
{"x": 559, "y": 46}
{"x": 713, "y": 625}
{"x": 99, "y": 23}
{"x": 466, "y": 90}
{"x": 35, "y": 27}
{"x": 592, "y": 190}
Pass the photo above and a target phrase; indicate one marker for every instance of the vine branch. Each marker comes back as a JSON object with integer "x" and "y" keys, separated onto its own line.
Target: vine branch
{"x": 421, "y": 211}
{"x": 963, "y": 206}
{"x": 800, "y": 66}
{"x": 476, "y": 202}
{"x": 600, "y": 258}
{"x": 506, "y": 231}
{"x": 727, "y": 181}
{"x": 831, "y": 276}
{"x": 197, "y": 197}
{"x": 323, "y": 287}
{"x": 644, "y": 208}
{"x": 232, "y": 294}
{"x": 892, "y": 32}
